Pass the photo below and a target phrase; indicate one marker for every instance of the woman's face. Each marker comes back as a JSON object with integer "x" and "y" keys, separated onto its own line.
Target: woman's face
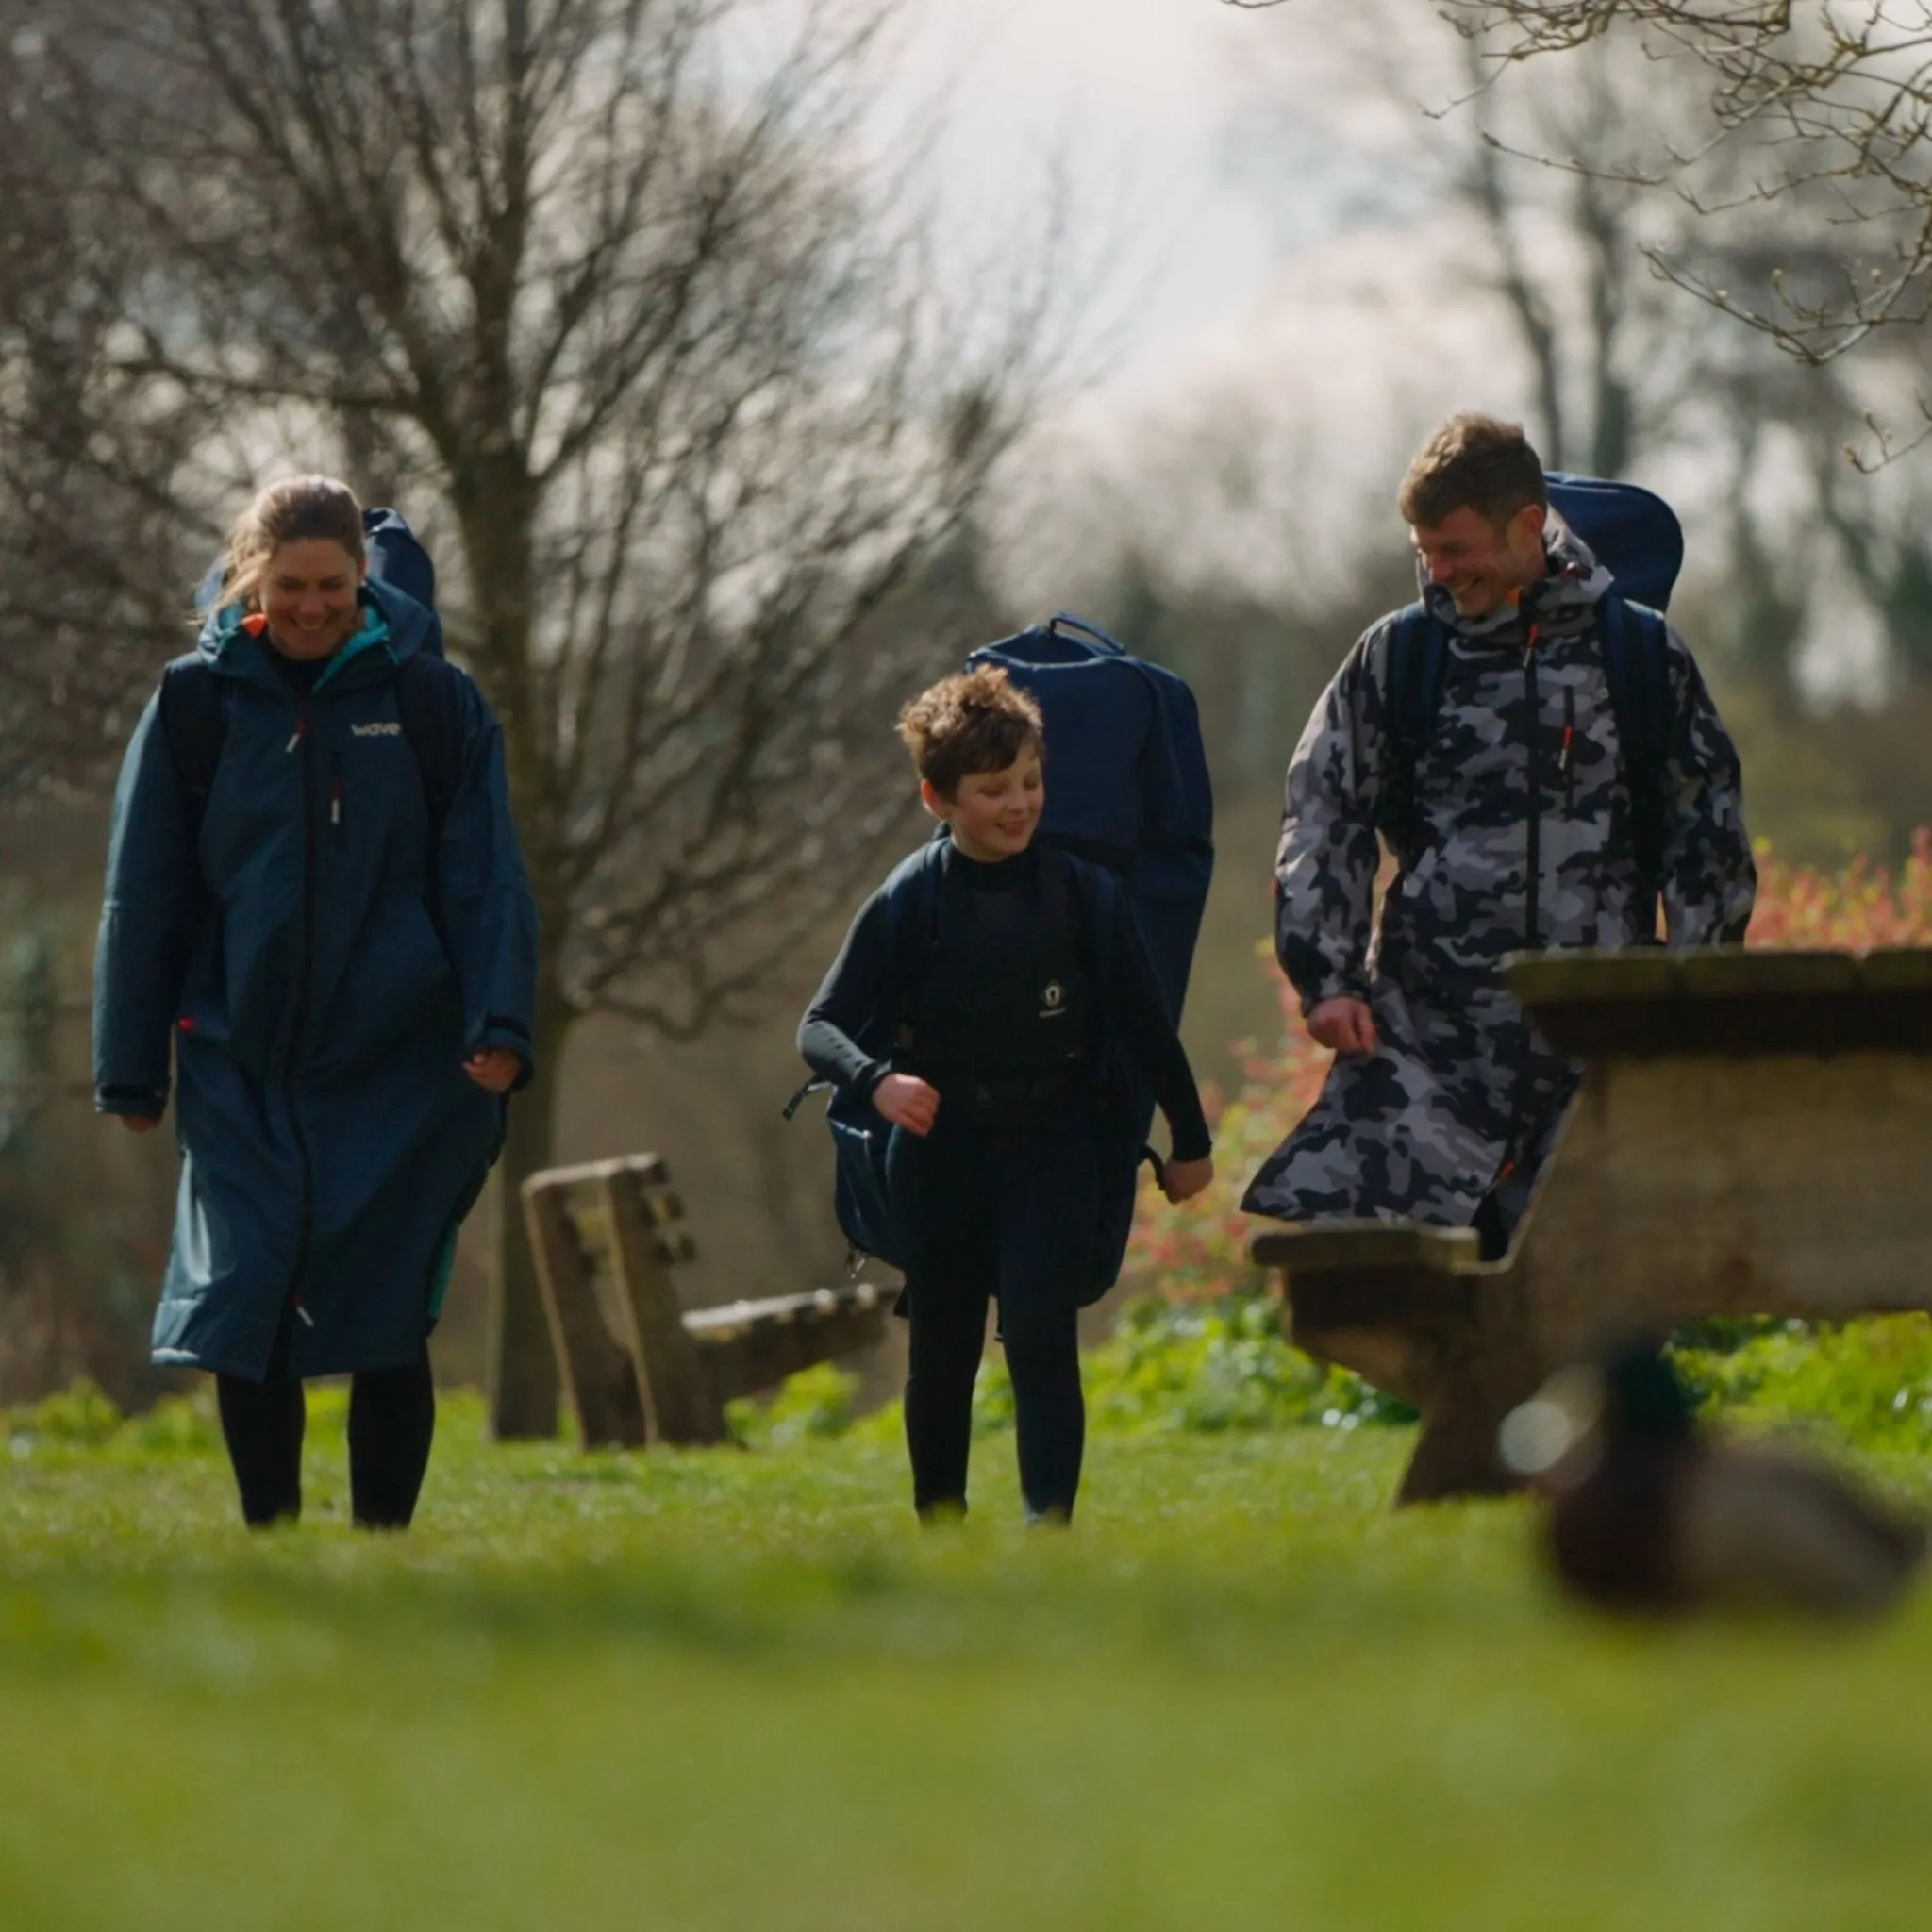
{"x": 309, "y": 596}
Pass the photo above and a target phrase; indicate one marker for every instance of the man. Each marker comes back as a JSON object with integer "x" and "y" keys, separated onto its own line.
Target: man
{"x": 1514, "y": 834}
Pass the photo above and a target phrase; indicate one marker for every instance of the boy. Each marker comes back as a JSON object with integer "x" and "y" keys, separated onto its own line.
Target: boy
{"x": 992, "y": 1079}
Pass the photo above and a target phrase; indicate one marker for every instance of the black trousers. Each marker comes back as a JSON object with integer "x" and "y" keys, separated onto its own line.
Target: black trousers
{"x": 391, "y": 1423}
{"x": 990, "y": 1212}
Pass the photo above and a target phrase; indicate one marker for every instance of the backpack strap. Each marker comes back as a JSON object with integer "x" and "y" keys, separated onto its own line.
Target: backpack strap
{"x": 1418, "y": 653}
{"x": 912, "y": 915}
{"x": 192, "y": 704}
{"x": 1635, "y": 653}
{"x": 1098, "y": 891}
{"x": 1095, "y": 891}
{"x": 429, "y": 707}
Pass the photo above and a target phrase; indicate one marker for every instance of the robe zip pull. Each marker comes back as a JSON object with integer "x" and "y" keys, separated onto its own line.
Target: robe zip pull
{"x": 296, "y": 736}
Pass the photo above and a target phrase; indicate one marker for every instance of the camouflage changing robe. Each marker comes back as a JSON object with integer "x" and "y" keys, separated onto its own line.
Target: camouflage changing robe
{"x": 1517, "y": 849}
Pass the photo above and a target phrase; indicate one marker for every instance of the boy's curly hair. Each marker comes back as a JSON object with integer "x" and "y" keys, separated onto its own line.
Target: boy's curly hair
{"x": 979, "y": 721}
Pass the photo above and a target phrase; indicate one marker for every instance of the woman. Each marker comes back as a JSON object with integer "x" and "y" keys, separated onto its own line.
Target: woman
{"x": 340, "y": 945}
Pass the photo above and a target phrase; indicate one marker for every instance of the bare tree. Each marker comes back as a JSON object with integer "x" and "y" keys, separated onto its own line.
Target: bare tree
{"x": 1545, "y": 168}
{"x": 612, "y": 281}
{"x": 1827, "y": 104}
{"x": 88, "y": 521}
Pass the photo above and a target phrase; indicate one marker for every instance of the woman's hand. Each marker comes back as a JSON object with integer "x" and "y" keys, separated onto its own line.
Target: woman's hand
{"x": 1181, "y": 1180}
{"x": 138, "y": 1123}
{"x": 494, "y": 1069}
{"x": 908, "y": 1103}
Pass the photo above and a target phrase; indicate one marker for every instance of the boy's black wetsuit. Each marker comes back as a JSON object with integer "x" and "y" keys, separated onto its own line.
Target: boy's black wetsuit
{"x": 1002, "y": 1198}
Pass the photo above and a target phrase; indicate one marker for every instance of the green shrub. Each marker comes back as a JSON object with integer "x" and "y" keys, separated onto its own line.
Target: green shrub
{"x": 816, "y": 1403}
{"x": 79, "y": 1417}
{"x": 1221, "y": 1364}
{"x": 177, "y": 1425}
{"x": 1868, "y": 1383}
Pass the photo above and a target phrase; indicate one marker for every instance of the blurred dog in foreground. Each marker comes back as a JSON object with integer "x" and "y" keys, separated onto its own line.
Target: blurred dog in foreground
{"x": 1645, "y": 1514}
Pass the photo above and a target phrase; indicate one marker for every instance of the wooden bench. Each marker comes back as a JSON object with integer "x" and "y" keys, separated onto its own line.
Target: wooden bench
{"x": 637, "y": 1369}
{"x": 1753, "y": 1137}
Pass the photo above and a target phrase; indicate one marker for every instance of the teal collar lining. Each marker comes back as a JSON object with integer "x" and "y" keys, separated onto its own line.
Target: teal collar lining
{"x": 374, "y": 631}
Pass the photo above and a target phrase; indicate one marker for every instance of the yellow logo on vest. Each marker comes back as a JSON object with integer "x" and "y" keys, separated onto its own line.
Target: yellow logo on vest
{"x": 1052, "y": 1001}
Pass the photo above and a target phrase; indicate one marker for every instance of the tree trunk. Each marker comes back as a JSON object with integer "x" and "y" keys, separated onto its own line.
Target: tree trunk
{"x": 497, "y": 514}
{"x": 521, "y": 1365}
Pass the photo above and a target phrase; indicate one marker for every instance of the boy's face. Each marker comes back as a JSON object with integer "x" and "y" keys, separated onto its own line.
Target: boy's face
{"x": 992, "y": 814}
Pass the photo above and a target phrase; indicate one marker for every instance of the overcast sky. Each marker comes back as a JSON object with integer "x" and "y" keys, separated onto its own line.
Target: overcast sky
{"x": 1138, "y": 93}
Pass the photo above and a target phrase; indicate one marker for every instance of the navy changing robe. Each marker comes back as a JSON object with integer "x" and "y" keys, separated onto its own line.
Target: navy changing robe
{"x": 320, "y": 976}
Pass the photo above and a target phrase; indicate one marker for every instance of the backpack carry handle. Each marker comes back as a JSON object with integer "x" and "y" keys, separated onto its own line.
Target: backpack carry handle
{"x": 1065, "y": 620}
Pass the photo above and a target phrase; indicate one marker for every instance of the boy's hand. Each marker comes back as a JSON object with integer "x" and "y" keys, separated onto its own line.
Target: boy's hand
{"x": 494, "y": 1069}
{"x": 908, "y": 1103}
{"x": 1344, "y": 1026}
{"x": 1181, "y": 1180}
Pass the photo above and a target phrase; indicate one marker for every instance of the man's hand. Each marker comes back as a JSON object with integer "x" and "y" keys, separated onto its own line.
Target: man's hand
{"x": 494, "y": 1069}
{"x": 138, "y": 1123}
{"x": 1181, "y": 1180}
{"x": 1344, "y": 1026}
{"x": 908, "y": 1103}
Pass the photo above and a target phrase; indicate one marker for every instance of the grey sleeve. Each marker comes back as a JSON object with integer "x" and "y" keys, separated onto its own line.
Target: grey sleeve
{"x": 1710, "y": 877}
{"x": 1327, "y": 862}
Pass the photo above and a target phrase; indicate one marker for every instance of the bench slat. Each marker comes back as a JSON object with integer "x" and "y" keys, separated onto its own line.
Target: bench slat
{"x": 1331, "y": 1246}
{"x": 746, "y": 1346}
{"x": 599, "y": 1378}
{"x": 679, "y": 1404}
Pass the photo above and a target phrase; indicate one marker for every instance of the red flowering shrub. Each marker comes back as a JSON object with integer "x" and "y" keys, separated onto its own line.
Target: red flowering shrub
{"x": 1852, "y": 911}
{"x": 1200, "y": 1250}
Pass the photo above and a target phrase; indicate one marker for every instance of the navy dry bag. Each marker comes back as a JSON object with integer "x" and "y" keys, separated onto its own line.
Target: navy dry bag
{"x": 1126, "y": 778}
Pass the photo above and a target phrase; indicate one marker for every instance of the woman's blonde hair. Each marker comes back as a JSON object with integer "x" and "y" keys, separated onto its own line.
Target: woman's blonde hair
{"x": 293, "y": 511}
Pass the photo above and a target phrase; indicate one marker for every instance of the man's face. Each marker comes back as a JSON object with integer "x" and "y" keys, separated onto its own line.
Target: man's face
{"x": 993, "y": 814}
{"x": 1481, "y": 566}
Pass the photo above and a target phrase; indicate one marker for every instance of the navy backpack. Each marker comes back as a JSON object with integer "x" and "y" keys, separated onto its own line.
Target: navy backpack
{"x": 1636, "y": 536}
{"x": 1126, "y": 778}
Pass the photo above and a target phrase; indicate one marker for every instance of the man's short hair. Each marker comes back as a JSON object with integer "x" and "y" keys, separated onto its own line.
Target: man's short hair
{"x": 1473, "y": 462}
{"x": 979, "y": 721}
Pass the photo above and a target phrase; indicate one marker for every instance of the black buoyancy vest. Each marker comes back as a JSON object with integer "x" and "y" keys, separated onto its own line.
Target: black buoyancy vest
{"x": 1003, "y": 998}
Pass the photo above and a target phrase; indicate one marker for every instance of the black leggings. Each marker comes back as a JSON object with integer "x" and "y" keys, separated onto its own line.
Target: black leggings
{"x": 392, "y": 1422}
{"x": 1050, "y": 1413}
{"x": 1010, "y": 1214}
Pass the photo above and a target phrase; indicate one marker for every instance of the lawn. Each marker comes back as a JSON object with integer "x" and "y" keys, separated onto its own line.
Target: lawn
{"x": 737, "y": 1689}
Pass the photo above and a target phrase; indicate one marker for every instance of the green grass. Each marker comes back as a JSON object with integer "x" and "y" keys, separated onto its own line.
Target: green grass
{"x": 739, "y": 1690}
